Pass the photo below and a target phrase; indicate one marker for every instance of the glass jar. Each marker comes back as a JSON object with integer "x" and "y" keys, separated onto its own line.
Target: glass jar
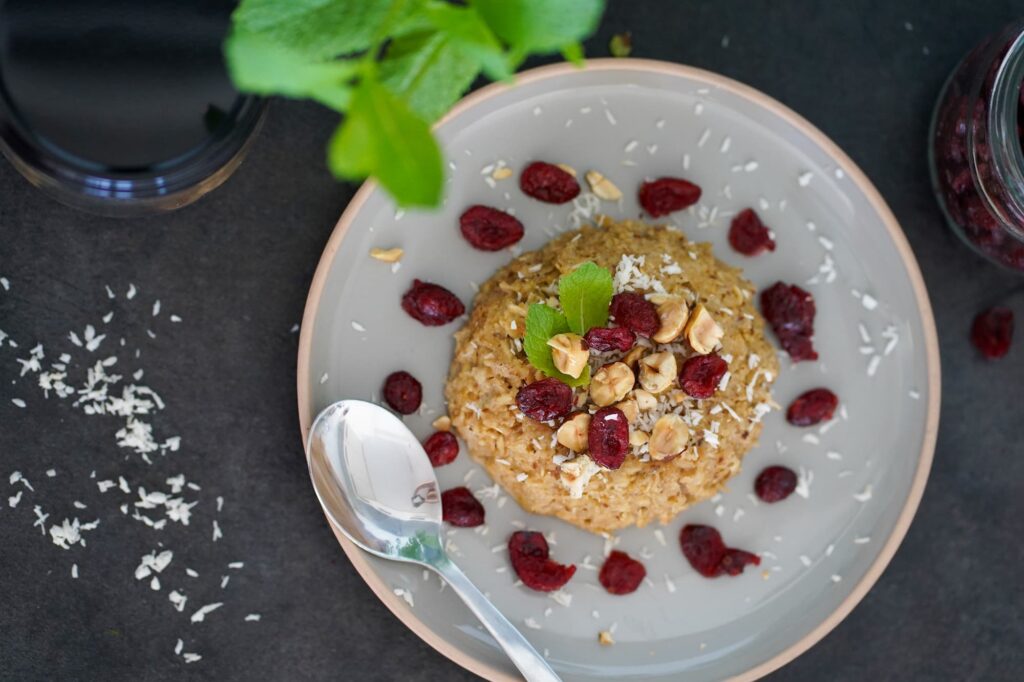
{"x": 975, "y": 148}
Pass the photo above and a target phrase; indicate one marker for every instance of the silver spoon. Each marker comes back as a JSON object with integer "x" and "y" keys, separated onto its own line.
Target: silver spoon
{"x": 377, "y": 486}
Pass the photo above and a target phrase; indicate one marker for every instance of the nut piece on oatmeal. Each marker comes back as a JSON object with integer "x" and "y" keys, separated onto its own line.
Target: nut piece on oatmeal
{"x": 644, "y": 400}
{"x": 602, "y": 187}
{"x": 573, "y": 433}
{"x": 658, "y": 371}
{"x": 604, "y": 638}
{"x": 669, "y": 437}
{"x": 569, "y": 354}
{"x": 633, "y": 356}
{"x": 611, "y": 383}
{"x": 702, "y": 331}
{"x": 673, "y": 314}
{"x": 576, "y": 473}
{"x": 387, "y": 255}
{"x": 638, "y": 438}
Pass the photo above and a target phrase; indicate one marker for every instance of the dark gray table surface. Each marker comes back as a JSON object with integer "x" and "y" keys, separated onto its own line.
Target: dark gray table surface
{"x": 236, "y": 267}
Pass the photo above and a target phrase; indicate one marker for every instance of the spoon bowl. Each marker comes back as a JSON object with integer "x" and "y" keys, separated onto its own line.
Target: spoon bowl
{"x": 377, "y": 486}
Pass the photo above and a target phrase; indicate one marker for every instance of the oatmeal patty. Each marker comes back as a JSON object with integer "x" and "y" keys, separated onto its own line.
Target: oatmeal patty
{"x": 524, "y": 455}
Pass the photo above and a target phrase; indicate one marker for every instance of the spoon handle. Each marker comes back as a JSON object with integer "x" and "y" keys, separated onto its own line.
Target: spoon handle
{"x": 530, "y": 663}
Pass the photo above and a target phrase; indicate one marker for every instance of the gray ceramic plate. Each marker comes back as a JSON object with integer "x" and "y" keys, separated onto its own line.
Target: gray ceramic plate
{"x": 863, "y": 474}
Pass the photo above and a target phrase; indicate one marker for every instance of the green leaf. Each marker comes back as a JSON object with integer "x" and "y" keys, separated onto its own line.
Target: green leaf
{"x": 543, "y": 26}
{"x": 472, "y": 35}
{"x": 543, "y": 322}
{"x": 585, "y": 294}
{"x": 573, "y": 52}
{"x": 319, "y": 28}
{"x": 259, "y": 65}
{"x": 429, "y": 71}
{"x": 381, "y": 136}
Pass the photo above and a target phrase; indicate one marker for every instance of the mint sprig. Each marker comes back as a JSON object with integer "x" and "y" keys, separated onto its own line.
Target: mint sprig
{"x": 585, "y": 295}
{"x": 393, "y": 67}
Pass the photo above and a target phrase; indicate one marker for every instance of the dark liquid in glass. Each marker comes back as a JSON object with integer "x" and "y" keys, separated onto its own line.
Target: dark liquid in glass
{"x": 116, "y": 87}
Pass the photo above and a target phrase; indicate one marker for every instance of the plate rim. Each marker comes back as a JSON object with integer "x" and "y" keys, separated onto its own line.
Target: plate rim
{"x": 480, "y": 667}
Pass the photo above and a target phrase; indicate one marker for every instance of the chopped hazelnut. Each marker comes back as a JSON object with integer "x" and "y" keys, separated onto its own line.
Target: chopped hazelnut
{"x": 644, "y": 400}
{"x": 569, "y": 353}
{"x": 604, "y": 638}
{"x": 702, "y": 331}
{"x": 502, "y": 173}
{"x": 669, "y": 437}
{"x": 611, "y": 383}
{"x": 443, "y": 423}
{"x": 634, "y": 354}
{"x": 387, "y": 255}
{"x": 573, "y": 432}
{"x": 602, "y": 187}
{"x": 673, "y": 314}
{"x": 658, "y": 371}
{"x": 638, "y": 438}
{"x": 629, "y": 409}
{"x": 567, "y": 168}
{"x": 576, "y": 474}
{"x": 677, "y": 396}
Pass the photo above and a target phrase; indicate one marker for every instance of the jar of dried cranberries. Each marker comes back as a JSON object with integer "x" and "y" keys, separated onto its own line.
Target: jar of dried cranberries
{"x": 975, "y": 148}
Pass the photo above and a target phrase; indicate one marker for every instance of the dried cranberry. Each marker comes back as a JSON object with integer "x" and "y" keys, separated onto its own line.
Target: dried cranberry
{"x": 704, "y": 549}
{"x": 528, "y": 551}
{"x": 621, "y": 574}
{"x": 545, "y": 399}
{"x": 748, "y": 235}
{"x": 701, "y": 374}
{"x": 665, "y": 195}
{"x": 636, "y": 313}
{"x": 735, "y": 560}
{"x": 992, "y": 332}
{"x": 460, "y": 508}
{"x": 489, "y": 229}
{"x": 431, "y": 304}
{"x": 812, "y": 407}
{"x": 442, "y": 448}
{"x": 402, "y": 392}
{"x": 775, "y": 483}
{"x": 603, "y": 339}
{"x": 547, "y": 182}
{"x": 608, "y": 437}
{"x": 790, "y": 311}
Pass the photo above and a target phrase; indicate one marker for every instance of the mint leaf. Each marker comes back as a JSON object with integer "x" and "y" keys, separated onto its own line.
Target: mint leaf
{"x": 381, "y": 136}
{"x": 585, "y": 294}
{"x": 543, "y": 322}
{"x": 318, "y": 28}
{"x": 473, "y": 36}
{"x": 259, "y": 65}
{"x": 429, "y": 71}
{"x": 543, "y": 26}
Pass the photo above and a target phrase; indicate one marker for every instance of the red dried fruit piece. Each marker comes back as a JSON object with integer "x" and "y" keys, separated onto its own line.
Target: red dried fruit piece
{"x": 545, "y": 399}
{"x": 701, "y": 374}
{"x": 608, "y": 437}
{"x": 528, "y": 552}
{"x": 636, "y": 313}
{"x": 775, "y": 483}
{"x": 812, "y": 407}
{"x": 403, "y": 392}
{"x": 621, "y": 574}
{"x": 603, "y": 339}
{"x": 735, "y": 560}
{"x": 442, "y": 448}
{"x": 489, "y": 229}
{"x": 790, "y": 311}
{"x": 992, "y": 332}
{"x": 704, "y": 549}
{"x": 431, "y": 304}
{"x": 460, "y": 508}
{"x": 748, "y": 235}
{"x": 665, "y": 195}
{"x": 549, "y": 183}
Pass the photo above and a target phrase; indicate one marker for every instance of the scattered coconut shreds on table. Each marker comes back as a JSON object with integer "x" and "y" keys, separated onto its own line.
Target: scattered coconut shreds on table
{"x": 95, "y": 373}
